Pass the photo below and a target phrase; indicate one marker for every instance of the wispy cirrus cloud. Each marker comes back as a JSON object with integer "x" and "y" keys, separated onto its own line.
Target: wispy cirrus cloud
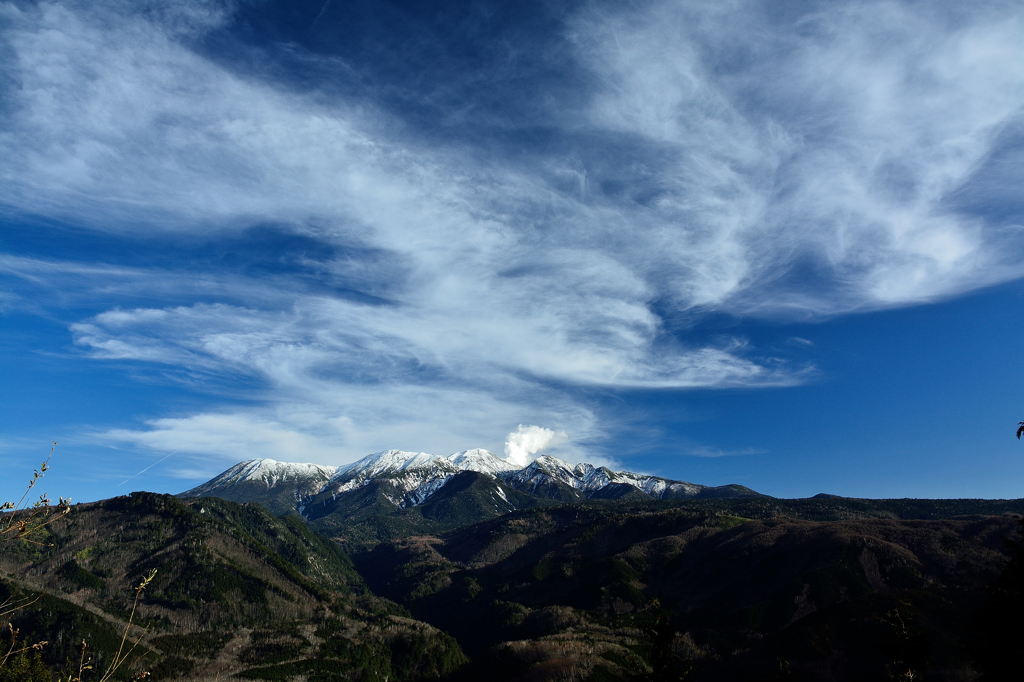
{"x": 835, "y": 138}
{"x": 706, "y": 158}
{"x": 328, "y": 360}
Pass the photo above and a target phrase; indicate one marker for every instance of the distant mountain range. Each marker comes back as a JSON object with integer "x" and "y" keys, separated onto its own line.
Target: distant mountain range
{"x": 396, "y": 480}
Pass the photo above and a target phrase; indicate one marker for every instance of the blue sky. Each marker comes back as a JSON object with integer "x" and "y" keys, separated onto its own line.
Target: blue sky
{"x": 771, "y": 243}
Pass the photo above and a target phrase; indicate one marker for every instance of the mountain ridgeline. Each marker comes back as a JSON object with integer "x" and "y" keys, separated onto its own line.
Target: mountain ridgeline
{"x": 393, "y": 493}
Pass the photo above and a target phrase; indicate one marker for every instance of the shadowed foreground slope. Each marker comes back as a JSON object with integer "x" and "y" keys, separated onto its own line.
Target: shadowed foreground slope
{"x": 613, "y": 594}
{"x": 237, "y": 591}
{"x": 748, "y": 589}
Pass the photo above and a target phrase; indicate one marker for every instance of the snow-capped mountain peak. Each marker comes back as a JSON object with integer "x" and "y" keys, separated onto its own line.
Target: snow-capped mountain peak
{"x": 269, "y": 472}
{"x": 411, "y": 478}
{"x": 483, "y": 461}
{"x": 385, "y": 463}
{"x": 556, "y": 468}
{"x": 416, "y": 474}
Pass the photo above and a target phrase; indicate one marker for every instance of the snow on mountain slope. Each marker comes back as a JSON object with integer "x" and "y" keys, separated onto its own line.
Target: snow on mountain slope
{"x": 658, "y": 487}
{"x": 269, "y": 472}
{"x": 384, "y": 463}
{"x": 538, "y": 472}
{"x": 416, "y": 474}
{"x": 589, "y": 479}
{"x": 413, "y": 477}
{"x": 483, "y": 461}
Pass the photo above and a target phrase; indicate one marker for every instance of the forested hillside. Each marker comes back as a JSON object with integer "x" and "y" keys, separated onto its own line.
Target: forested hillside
{"x": 236, "y": 592}
{"x": 826, "y": 588}
{"x": 608, "y": 592}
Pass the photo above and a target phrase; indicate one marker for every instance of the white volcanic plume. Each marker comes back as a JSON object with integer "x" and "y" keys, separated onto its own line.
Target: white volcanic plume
{"x": 526, "y": 441}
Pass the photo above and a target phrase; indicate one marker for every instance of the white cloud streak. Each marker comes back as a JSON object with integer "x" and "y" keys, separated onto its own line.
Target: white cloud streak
{"x": 833, "y": 142}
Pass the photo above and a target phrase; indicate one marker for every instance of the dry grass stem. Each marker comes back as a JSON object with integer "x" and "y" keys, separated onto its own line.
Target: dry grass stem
{"x": 24, "y": 520}
{"x": 119, "y": 659}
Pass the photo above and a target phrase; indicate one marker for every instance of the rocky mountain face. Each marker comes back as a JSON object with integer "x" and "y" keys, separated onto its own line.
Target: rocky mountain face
{"x": 393, "y": 481}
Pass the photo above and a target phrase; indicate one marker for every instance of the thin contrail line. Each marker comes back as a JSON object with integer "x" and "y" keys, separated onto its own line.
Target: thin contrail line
{"x": 322, "y": 10}
{"x": 147, "y": 468}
